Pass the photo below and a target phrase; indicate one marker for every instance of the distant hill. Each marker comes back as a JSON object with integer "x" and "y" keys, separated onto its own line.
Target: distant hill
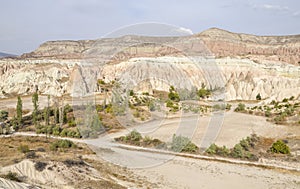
{"x": 6, "y": 55}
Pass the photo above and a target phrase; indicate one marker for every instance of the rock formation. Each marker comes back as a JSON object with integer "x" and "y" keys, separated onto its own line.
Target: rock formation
{"x": 236, "y": 66}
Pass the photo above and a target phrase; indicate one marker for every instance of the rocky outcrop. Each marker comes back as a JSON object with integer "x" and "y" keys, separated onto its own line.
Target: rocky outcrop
{"x": 217, "y": 42}
{"x": 277, "y": 48}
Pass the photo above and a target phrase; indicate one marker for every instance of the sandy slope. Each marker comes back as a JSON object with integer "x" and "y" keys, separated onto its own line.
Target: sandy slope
{"x": 55, "y": 175}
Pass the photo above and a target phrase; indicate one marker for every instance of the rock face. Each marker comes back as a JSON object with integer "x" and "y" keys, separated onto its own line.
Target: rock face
{"x": 280, "y": 48}
{"x": 236, "y": 66}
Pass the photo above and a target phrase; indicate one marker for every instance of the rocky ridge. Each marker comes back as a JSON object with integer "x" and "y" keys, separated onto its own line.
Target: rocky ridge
{"x": 239, "y": 64}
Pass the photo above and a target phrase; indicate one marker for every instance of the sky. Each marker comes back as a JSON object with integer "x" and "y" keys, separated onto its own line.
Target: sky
{"x": 27, "y": 24}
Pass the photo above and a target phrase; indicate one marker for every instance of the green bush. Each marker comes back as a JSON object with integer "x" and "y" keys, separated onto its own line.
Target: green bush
{"x": 285, "y": 100}
{"x": 61, "y": 144}
{"x": 237, "y": 151}
{"x": 267, "y": 113}
{"x": 64, "y": 133}
{"x": 134, "y": 136}
{"x": 245, "y": 144}
{"x": 258, "y": 96}
{"x": 212, "y": 149}
{"x": 203, "y": 92}
{"x": 228, "y": 106}
{"x": 169, "y": 104}
{"x": 241, "y": 107}
{"x": 72, "y": 123}
{"x": 56, "y": 131}
{"x": 280, "y": 147}
{"x": 221, "y": 151}
{"x": 182, "y": 144}
{"x": 3, "y": 115}
{"x": 131, "y": 93}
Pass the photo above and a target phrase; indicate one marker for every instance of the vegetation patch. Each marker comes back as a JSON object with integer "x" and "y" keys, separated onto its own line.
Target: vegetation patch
{"x": 242, "y": 150}
{"x": 11, "y": 176}
{"x": 62, "y": 144}
{"x": 135, "y": 138}
{"x": 279, "y": 147}
{"x": 183, "y": 144}
{"x": 40, "y": 166}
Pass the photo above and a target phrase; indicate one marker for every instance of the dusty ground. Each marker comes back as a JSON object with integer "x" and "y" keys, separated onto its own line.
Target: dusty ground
{"x": 227, "y": 129}
{"x": 190, "y": 173}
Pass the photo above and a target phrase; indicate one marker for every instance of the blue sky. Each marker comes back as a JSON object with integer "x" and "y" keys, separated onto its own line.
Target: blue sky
{"x": 27, "y": 24}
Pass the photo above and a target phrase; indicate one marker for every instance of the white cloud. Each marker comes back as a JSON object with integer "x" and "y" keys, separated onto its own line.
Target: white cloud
{"x": 297, "y": 13}
{"x": 185, "y": 31}
{"x": 275, "y": 7}
{"x": 271, "y": 7}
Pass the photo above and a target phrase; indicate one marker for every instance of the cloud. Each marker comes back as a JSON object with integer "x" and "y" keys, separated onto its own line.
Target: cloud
{"x": 185, "y": 31}
{"x": 275, "y": 7}
{"x": 297, "y": 13}
{"x": 271, "y": 7}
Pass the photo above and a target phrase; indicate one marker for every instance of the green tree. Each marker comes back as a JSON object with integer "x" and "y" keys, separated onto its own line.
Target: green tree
{"x": 131, "y": 93}
{"x": 47, "y": 113}
{"x": 203, "y": 92}
{"x": 173, "y": 95}
{"x": 19, "y": 111}
{"x": 35, "y": 101}
{"x": 258, "y": 96}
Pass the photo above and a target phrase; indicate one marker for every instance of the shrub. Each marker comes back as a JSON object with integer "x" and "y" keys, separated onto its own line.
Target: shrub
{"x": 221, "y": 151}
{"x": 40, "y": 166}
{"x": 31, "y": 155}
{"x": 64, "y": 133}
{"x": 3, "y": 115}
{"x": 56, "y": 131}
{"x": 134, "y": 136}
{"x": 245, "y": 144}
{"x": 280, "y": 147}
{"x": 12, "y": 176}
{"x": 237, "y": 151}
{"x": 258, "y": 96}
{"x": 212, "y": 149}
{"x": 228, "y": 106}
{"x": 151, "y": 106}
{"x": 285, "y": 100}
{"x": 169, "y": 104}
{"x": 70, "y": 162}
{"x": 23, "y": 148}
{"x": 131, "y": 93}
{"x": 61, "y": 144}
{"x": 203, "y": 92}
{"x": 173, "y": 95}
{"x": 241, "y": 107}
{"x": 182, "y": 144}
{"x": 267, "y": 113}
{"x": 72, "y": 123}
